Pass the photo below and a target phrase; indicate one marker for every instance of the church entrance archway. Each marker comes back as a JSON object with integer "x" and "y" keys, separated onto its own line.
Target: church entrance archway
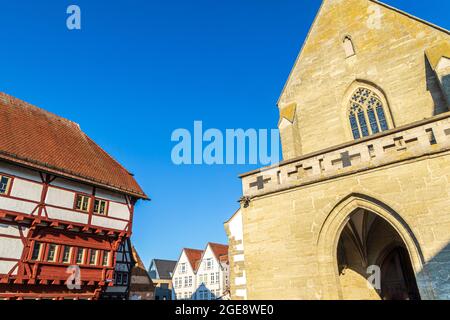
{"x": 373, "y": 261}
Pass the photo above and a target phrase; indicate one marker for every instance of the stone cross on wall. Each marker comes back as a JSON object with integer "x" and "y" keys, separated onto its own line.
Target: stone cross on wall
{"x": 346, "y": 159}
{"x": 260, "y": 182}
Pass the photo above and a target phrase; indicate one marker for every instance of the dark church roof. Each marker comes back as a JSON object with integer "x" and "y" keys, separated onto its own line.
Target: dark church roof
{"x": 164, "y": 268}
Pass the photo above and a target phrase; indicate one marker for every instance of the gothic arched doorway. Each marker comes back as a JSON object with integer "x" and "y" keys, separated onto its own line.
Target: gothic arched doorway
{"x": 370, "y": 246}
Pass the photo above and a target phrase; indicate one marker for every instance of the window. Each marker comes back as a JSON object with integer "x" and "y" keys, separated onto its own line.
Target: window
{"x": 80, "y": 256}
{"x": 121, "y": 278}
{"x": 209, "y": 264}
{"x": 125, "y": 279}
{"x": 100, "y": 207}
{"x": 118, "y": 278}
{"x": 348, "y": 47}
{"x": 105, "y": 260}
{"x": 217, "y": 277}
{"x": 82, "y": 203}
{"x": 93, "y": 257}
{"x": 36, "y": 255}
{"x": 367, "y": 114}
{"x": 190, "y": 281}
{"x": 4, "y": 184}
{"x": 52, "y": 251}
{"x": 213, "y": 278}
{"x": 186, "y": 281}
{"x": 183, "y": 268}
{"x": 67, "y": 253}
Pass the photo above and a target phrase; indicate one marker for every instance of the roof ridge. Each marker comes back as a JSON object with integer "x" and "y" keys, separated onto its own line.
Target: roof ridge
{"x": 193, "y": 249}
{"x": 65, "y": 149}
{"x": 16, "y": 102}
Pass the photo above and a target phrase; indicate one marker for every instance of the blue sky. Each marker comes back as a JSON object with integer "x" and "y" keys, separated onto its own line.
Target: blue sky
{"x": 139, "y": 69}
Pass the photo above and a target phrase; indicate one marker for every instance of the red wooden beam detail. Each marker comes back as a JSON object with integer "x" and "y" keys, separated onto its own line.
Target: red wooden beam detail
{"x": 19, "y": 218}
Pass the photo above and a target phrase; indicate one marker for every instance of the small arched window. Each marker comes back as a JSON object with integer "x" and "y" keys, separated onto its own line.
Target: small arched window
{"x": 349, "y": 48}
{"x": 366, "y": 115}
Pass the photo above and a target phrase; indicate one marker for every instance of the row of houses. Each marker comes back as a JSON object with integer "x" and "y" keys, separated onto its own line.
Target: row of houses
{"x": 197, "y": 275}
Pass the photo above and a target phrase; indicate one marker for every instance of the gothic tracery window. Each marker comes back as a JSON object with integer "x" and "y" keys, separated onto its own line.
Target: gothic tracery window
{"x": 367, "y": 115}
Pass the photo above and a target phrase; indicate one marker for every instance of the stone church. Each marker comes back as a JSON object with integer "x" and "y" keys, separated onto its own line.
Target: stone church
{"x": 360, "y": 206}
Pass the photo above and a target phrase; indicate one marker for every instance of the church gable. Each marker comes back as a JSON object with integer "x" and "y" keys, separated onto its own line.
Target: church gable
{"x": 361, "y": 42}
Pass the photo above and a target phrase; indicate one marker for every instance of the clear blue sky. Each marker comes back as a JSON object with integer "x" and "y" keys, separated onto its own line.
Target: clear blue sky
{"x": 139, "y": 69}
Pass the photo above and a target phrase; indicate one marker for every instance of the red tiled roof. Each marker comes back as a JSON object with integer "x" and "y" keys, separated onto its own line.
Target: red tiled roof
{"x": 35, "y": 138}
{"x": 224, "y": 258}
{"x": 193, "y": 256}
{"x": 219, "y": 250}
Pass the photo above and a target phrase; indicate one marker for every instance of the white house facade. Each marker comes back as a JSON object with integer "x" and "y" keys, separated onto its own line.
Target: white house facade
{"x": 202, "y": 274}
{"x": 183, "y": 281}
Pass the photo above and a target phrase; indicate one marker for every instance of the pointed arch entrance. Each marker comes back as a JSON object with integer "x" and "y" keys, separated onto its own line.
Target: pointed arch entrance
{"x": 370, "y": 246}
{"x": 349, "y": 241}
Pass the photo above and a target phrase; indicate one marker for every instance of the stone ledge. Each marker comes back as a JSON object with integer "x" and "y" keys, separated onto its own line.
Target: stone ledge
{"x": 422, "y": 138}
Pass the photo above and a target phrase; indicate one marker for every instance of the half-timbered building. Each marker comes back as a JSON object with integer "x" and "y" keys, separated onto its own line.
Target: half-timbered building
{"x": 120, "y": 290}
{"x": 66, "y": 206}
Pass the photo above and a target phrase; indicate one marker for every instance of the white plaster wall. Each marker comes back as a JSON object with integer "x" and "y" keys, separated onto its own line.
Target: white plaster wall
{"x": 12, "y": 230}
{"x": 109, "y": 195}
{"x": 6, "y": 266}
{"x": 60, "y": 198}
{"x": 108, "y": 223}
{"x": 236, "y": 229}
{"x": 178, "y": 274}
{"x": 241, "y": 293}
{"x": 10, "y": 248}
{"x": 68, "y": 184}
{"x": 19, "y": 172}
{"x": 67, "y": 215}
{"x": 240, "y": 280}
{"x": 118, "y": 210}
{"x": 17, "y": 205}
{"x": 26, "y": 189}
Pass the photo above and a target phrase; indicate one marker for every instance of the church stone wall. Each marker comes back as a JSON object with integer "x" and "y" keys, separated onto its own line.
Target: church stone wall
{"x": 390, "y": 54}
{"x": 285, "y": 227}
{"x": 292, "y": 213}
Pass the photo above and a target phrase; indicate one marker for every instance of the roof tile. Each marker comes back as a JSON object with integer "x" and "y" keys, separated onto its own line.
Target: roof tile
{"x": 42, "y": 140}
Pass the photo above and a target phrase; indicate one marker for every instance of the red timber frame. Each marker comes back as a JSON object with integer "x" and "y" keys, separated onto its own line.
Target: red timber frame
{"x": 40, "y": 279}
